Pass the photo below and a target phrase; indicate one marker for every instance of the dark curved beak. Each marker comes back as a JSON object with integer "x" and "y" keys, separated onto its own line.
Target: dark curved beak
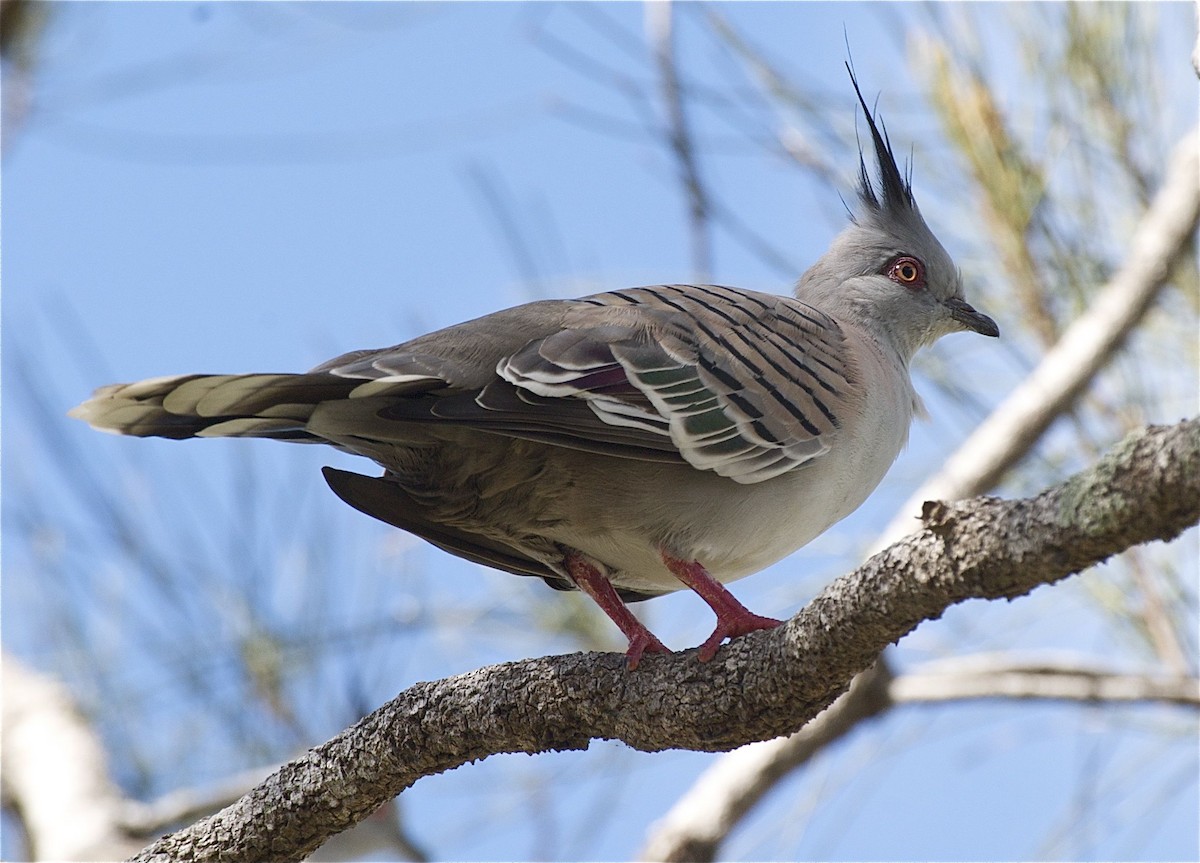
{"x": 965, "y": 314}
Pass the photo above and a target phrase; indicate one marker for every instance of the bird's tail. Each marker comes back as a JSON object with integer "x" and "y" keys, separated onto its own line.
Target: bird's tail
{"x": 276, "y": 406}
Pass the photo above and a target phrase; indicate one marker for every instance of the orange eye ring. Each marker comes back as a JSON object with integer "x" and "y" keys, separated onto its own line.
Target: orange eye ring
{"x": 907, "y": 271}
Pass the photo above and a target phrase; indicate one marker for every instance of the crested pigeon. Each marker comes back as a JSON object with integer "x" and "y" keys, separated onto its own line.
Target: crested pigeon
{"x": 626, "y": 444}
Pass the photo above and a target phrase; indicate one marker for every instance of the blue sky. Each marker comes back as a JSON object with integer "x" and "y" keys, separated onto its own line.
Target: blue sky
{"x": 258, "y": 187}
{"x": 296, "y": 153}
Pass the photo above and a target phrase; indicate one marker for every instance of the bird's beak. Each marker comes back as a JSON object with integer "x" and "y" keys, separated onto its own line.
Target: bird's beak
{"x": 965, "y": 314}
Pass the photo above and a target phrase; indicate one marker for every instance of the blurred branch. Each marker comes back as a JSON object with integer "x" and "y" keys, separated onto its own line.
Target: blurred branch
{"x": 660, "y": 28}
{"x": 1196, "y": 49}
{"x": 698, "y": 822}
{"x": 21, "y": 25}
{"x": 1012, "y": 184}
{"x": 758, "y": 687}
{"x": 55, "y": 775}
{"x": 705, "y": 208}
{"x": 1154, "y": 614}
{"x": 1003, "y": 676}
{"x": 793, "y": 142}
{"x": 54, "y": 772}
{"x": 185, "y": 804}
{"x": 1105, "y": 87}
{"x": 499, "y": 206}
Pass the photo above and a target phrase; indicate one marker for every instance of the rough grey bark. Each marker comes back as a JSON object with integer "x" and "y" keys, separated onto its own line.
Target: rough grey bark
{"x": 763, "y": 685}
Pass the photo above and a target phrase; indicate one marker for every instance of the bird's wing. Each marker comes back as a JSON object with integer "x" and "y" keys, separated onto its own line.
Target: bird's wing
{"x": 744, "y": 384}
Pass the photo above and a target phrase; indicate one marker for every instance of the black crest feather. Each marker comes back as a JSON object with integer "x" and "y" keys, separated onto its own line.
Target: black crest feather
{"x": 895, "y": 190}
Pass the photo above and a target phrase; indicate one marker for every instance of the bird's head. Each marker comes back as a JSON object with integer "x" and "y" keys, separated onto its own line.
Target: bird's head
{"x": 887, "y": 270}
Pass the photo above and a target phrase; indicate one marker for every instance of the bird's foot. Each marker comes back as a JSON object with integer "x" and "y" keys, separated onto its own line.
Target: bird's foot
{"x": 733, "y": 618}
{"x": 643, "y": 642}
{"x": 731, "y": 626}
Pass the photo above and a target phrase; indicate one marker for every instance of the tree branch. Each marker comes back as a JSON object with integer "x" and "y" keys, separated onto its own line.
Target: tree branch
{"x": 762, "y": 685}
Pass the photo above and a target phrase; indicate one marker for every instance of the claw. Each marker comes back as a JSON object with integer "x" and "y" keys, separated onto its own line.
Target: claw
{"x": 733, "y": 618}
{"x": 731, "y": 626}
{"x": 640, "y": 643}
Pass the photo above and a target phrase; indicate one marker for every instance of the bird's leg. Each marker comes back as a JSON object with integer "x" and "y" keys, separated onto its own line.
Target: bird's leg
{"x": 733, "y": 618}
{"x": 591, "y": 581}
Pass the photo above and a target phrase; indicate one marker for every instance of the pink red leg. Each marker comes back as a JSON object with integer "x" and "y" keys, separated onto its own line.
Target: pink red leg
{"x": 591, "y": 581}
{"x": 733, "y": 618}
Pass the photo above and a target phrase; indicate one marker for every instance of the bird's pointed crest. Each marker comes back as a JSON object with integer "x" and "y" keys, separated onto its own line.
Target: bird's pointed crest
{"x": 895, "y": 191}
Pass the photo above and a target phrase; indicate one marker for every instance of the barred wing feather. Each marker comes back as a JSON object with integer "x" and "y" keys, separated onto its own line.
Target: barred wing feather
{"x": 746, "y": 385}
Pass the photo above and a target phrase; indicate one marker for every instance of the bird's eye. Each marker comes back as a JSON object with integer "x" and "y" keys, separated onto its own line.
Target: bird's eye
{"x": 907, "y": 271}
